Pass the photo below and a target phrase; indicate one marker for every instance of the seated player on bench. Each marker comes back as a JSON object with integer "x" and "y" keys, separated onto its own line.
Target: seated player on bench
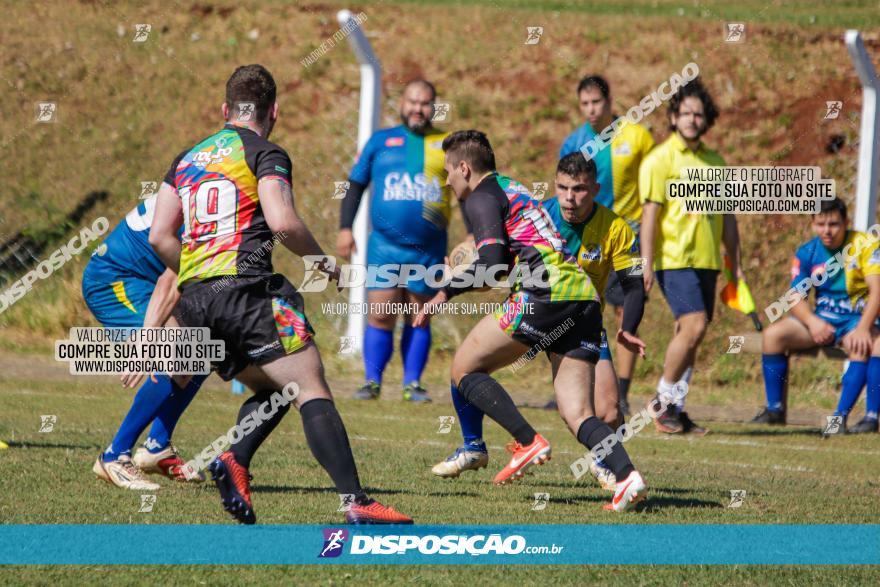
{"x": 843, "y": 267}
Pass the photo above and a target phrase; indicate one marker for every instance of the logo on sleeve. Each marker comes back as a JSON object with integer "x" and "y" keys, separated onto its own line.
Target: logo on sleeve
{"x": 795, "y": 268}
{"x": 394, "y": 142}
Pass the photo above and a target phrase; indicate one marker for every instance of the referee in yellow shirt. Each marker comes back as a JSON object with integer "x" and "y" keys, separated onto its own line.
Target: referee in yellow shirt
{"x": 682, "y": 250}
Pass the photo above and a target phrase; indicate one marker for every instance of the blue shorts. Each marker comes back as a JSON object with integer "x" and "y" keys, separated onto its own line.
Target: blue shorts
{"x": 118, "y": 304}
{"x": 604, "y": 349}
{"x": 689, "y": 290}
{"x": 843, "y": 323}
{"x": 381, "y": 251}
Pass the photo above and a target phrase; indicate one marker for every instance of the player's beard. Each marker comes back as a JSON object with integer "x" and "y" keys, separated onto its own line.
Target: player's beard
{"x": 419, "y": 128}
{"x": 698, "y": 134}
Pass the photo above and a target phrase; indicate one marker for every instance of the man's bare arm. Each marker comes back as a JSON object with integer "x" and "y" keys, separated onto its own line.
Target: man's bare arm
{"x": 166, "y": 223}
{"x": 872, "y": 305}
{"x": 276, "y": 198}
{"x": 650, "y": 212}
{"x": 165, "y": 296}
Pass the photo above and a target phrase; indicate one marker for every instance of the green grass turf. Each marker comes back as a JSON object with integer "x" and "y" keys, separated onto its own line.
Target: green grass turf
{"x": 454, "y": 576}
{"x": 790, "y": 475}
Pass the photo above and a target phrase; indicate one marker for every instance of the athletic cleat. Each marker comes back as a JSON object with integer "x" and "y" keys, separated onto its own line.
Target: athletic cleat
{"x": 370, "y": 390}
{"x": 835, "y": 426}
{"x": 415, "y": 393}
{"x": 166, "y": 462}
{"x": 766, "y": 416}
{"x": 864, "y": 426}
{"x": 122, "y": 473}
{"x": 233, "y": 481}
{"x": 465, "y": 458}
{"x": 628, "y": 493}
{"x": 551, "y": 405}
{"x": 666, "y": 421}
{"x": 688, "y": 426}
{"x": 3, "y": 445}
{"x": 523, "y": 457}
{"x": 375, "y": 513}
{"x": 603, "y": 474}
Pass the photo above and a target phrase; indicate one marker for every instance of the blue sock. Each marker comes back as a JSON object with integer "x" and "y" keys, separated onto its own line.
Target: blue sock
{"x": 469, "y": 417}
{"x": 775, "y": 375}
{"x": 415, "y": 344}
{"x": 853, "y": 382}
{"x": 146, "y": 404}
{"x": 170, "y": 412}
{"x": 378, "y": 346}
{"x": 872, "y": 403}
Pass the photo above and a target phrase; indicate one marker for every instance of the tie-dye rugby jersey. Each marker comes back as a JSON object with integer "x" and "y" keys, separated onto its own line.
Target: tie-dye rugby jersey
{"x": 225, "y": 231}
{"x": 530, "y": 237}
{"x": 410, "y": 203}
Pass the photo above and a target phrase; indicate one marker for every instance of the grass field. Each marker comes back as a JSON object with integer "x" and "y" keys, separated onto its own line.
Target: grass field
{"x": 790, "y": 476}
{"x": 125, "y": 109}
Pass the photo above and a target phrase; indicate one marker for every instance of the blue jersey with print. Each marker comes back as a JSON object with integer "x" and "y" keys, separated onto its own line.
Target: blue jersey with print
{"x": 410, "y": 205}
{"x": 842, "y": 289}
{"x": 127, "y": 251}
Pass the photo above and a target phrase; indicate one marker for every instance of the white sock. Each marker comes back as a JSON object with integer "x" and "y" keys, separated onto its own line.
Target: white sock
{"x": 686, "y": 376}
{"x": 665, "y": 392}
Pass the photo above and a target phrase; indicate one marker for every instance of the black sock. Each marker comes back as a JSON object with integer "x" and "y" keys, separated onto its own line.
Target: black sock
{"x": 591, "y": 434}
{"x": 326, "y": 436}
{"x": 623, "y": 388}
{"x": 488, "y": 395}
{"x": 257, "y": 406}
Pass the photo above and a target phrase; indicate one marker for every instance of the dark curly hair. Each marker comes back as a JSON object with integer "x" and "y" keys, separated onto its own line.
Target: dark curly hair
{"x": 694, "y": 89}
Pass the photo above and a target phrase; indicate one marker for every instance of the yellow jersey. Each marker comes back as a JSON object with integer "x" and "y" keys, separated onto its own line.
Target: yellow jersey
{"x": 602, "y": 242}
{"x": 681, "y": 240}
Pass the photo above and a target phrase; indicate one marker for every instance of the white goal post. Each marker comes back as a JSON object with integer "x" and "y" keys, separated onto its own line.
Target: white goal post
{"x": 869, "y": 134}
{"x": 370, "y": 105}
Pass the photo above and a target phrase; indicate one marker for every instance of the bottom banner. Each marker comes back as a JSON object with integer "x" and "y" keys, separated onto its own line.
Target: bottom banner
{"x": 628, "y": 544}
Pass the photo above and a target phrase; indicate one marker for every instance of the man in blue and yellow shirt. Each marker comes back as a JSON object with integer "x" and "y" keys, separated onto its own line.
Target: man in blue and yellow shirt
{"x": 843, "y": 268}
{"x": 618, "y": 175}
{"x": 409, "y": 212}
{"x": 604, "y": 245}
